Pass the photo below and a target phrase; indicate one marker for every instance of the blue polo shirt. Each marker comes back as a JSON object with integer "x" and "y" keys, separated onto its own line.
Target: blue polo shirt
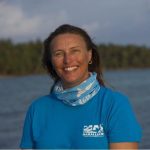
{"x": 106, "y": 118}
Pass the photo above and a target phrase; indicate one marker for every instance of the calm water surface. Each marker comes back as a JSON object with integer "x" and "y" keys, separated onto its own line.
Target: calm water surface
{"x": 17, "y": 93}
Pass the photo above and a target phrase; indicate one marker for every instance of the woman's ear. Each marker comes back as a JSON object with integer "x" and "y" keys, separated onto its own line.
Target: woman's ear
{"x": 90, "y": 55}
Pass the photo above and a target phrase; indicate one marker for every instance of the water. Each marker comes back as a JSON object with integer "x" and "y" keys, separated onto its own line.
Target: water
{"x": 16, "y": 93}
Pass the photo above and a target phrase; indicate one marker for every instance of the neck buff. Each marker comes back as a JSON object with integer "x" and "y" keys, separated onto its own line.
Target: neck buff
{"x": 80, "y": 94}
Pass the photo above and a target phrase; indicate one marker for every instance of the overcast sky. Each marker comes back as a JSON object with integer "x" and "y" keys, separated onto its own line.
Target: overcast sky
{"x": 107, "y": 21}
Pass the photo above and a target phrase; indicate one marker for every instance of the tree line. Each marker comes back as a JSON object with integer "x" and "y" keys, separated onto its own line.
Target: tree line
{"x": 25, "y": 58}
{"x": 124, "y": 57}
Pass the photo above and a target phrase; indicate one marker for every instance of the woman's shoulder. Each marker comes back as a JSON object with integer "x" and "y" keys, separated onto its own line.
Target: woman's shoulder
{"x": 112, "y": 96}
{"x": 116, "y": 102}
{"x": 41, "y": 101}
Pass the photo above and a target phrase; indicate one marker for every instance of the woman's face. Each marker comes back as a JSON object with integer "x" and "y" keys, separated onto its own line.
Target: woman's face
{"x": 70, "y": 58}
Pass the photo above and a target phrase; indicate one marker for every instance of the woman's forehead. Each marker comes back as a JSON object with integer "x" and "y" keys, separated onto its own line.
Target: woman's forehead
{"x": 68, "y": 40}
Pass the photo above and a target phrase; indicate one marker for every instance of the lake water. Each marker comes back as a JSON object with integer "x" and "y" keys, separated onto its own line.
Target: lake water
{"x": 17, "y": 93}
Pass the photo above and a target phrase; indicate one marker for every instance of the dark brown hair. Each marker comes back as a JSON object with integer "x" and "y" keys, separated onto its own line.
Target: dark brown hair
{"x": 95, "y": 66}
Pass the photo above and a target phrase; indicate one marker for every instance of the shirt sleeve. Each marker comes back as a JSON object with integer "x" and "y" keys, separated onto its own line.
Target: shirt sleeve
{"x": 122, "y": 123}
{"x": 27, "y": 136}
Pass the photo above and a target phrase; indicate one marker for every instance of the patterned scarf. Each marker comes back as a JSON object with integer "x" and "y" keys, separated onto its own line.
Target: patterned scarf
{"x": 80, "y": 94}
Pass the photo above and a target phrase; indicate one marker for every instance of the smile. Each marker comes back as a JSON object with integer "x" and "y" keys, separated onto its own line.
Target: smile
{"x": 70, "y": 68}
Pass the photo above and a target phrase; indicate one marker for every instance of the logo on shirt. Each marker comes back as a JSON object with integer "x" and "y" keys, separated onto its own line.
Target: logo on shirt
{"x": 93, "y": 131}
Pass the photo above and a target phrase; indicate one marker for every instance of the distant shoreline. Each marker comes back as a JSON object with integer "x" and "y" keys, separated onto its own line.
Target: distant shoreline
{"x": 104, "y": 70}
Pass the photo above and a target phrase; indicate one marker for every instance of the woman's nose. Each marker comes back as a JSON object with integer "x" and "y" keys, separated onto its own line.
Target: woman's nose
{"x": 67, "y": 58}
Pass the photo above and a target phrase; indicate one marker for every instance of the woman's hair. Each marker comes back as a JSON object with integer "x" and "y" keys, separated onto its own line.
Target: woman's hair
{"x": 95, "y": 66}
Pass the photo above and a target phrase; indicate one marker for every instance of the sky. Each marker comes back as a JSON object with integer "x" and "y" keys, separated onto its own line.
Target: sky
{"x": 106, "y": 21}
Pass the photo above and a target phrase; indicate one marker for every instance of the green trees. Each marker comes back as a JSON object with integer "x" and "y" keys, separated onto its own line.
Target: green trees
{"x": 20, "y": 59}
{"x": 25, "y": 58}
{"x": 124, "y": 57}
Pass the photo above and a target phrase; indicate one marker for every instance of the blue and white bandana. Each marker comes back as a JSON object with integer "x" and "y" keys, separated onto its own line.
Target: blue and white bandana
{"x": 80, "y": 94}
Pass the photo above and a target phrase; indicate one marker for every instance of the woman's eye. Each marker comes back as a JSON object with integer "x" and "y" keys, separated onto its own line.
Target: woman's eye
{"x": 58, "y": 54}
{"x": 75, "y": 50}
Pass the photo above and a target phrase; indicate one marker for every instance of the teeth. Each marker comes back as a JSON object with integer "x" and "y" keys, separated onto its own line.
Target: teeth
{"x": 70, "y": 68}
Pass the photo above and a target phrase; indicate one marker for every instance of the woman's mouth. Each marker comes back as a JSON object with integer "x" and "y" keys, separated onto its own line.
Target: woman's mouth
{"x": 70, "y": 68}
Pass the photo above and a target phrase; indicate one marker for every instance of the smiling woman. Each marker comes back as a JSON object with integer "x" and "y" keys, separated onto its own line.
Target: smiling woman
{"x": 80, "y": 112}
{"x": 70, "y": 57}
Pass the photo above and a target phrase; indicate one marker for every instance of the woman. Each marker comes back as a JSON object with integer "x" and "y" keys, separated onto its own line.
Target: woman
{"x": 80, "y": 112}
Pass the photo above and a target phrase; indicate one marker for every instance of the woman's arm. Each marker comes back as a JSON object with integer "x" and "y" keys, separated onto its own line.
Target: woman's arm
{"x": 124, "y": 145}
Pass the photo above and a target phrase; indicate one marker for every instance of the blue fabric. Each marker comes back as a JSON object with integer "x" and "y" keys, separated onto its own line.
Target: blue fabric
{"x": 80, "y": 94}
{"x": 106, "y": 118}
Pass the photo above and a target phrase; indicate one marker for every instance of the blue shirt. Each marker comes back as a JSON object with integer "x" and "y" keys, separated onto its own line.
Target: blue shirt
{"x": 106, "y": 118}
